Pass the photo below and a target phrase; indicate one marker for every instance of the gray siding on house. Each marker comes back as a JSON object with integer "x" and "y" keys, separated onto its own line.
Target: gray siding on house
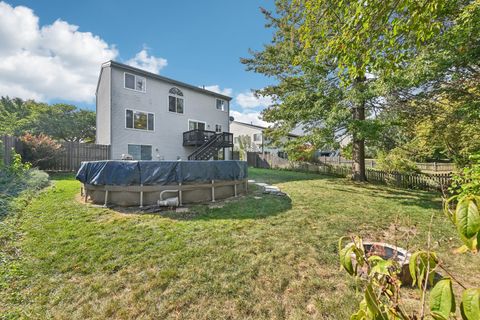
{"x": 103, "y": 107}
{"x": 167, "y": 138}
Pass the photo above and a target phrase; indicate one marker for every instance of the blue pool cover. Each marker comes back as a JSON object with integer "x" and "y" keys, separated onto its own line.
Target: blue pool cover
{"x": 129, "y": 173}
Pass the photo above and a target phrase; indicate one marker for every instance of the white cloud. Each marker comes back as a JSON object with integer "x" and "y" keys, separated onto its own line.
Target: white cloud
{"x": 54, "y": 61}
{"x": 247, "y": 100}
{"x": 249, "y": 117}
{"x": 216, "y": 88}
{"x": 145, "y": 62}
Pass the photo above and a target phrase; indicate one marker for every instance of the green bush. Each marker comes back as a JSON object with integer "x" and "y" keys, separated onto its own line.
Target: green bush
{"x": 396, "y": 161}
{"x": 467, "y": 180}
{"x": 1, "y": 153}
{"x": 16, "y": 180}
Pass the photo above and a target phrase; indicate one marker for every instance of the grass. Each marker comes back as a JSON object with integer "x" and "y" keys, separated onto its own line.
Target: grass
{"x": 268, "y": 258}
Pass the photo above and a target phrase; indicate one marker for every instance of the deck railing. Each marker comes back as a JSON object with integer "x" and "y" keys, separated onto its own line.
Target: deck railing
{"x": 199, "y": 137}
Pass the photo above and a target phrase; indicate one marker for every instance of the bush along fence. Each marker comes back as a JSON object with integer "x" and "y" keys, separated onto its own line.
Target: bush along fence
{"x": 421, "y": 181}
{"x": 68, "y": 159}
{"x": 372, "y": 163}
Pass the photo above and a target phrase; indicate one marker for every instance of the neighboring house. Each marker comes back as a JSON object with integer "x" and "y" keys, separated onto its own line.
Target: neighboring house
{"x": 255, "y": 134}
{"x": 151, "y": 117}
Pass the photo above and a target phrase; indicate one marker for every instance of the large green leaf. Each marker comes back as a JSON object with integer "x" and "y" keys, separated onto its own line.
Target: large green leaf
{"x": 420, "y": 262}
{"x": 373, "y": 304}
{"x": 346, "y": 259}
{"x": 467, "y": 217}
{"x": 442, "y": 300}
{"x": 380, "y": 266}
{"x": 470, "y": 306}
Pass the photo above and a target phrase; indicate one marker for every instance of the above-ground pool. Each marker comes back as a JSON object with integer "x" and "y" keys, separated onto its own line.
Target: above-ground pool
{"x": 141, "y": 183}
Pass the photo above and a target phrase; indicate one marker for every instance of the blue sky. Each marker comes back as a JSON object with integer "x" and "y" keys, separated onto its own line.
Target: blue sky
{"x": 198, "y": 42}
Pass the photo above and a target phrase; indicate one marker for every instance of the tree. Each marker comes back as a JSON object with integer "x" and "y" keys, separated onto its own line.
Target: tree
{"x": 327, "y": 58}
{"x": 437, "y": 97}
{"x": 65, "y": 122}
{"x": 60, "y": 121}
{"x": 15, "y": 115}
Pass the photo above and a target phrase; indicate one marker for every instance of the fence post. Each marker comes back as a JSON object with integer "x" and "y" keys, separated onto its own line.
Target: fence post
{"x": 435, "y": 166}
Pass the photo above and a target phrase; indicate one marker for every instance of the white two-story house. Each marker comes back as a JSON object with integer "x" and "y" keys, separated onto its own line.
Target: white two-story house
{"x": 151, "y": 117}
{"x": 254, "y": 139}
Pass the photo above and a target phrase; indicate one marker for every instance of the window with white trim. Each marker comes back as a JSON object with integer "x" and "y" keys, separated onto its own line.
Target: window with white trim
{"x": 222, "y": 104}
{"x": 196, "y": 125}
{"x": 257, "y": 137}
{"x": 134, "y": 82}
{"x": 140, "y": 120}
{"x": 218, "y": 128}
{"x": 140, "y": 152}
{"x": 175, "y": 100}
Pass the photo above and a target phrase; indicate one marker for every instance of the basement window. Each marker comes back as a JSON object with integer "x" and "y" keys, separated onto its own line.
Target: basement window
{"x": 140, "y": 152}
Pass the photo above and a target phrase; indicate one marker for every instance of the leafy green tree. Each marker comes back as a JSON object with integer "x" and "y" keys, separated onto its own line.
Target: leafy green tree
{"x": 65, "y": 122}
{"x": 436, "y": 98}
{"x": 328, "y": 59}
{"x": 60, "y": 121}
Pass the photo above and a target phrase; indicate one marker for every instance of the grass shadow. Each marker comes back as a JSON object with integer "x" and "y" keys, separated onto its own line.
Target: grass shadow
{"x": 420, "y": 198}
{"x": 254, "y": 205}
{"x": 273, "y": 176}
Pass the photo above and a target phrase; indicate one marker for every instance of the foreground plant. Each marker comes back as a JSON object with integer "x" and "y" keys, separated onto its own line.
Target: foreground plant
{"x": 381, "y": 279}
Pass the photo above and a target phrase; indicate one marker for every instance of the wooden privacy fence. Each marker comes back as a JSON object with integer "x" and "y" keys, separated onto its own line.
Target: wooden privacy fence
{"x": 422, "y": 181}
{"x": 372, "y": 163}
{"x": 9, "y": 144}
{"x": 69, "y": 159}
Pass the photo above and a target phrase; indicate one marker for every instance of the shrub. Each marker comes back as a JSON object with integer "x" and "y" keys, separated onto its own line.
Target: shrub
{"x": 467, "y": 180}
{"x": 1, "y": 153}
{"x": 40, "y": 150}
{"x": 303, "y": 152}
{"x": 15, "y": 182}
{"x": 396, "y": 161}
{"x": 17, "y": 167}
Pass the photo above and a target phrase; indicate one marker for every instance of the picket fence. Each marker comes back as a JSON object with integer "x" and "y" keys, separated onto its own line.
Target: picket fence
{"x": 421, "y": 181}
{"x": 372, "y": 163}
{"x": 69, "y": 159}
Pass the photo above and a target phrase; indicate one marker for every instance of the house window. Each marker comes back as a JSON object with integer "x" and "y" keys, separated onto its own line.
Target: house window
{"x": 139, "y": 120}
{"x": 140, "y": 152}
{"x": 196, "y": 125}
{"x": 257, "y": 137}
{"x": 135, "y": 82}
{"x": 218, "y": 128}
{"x": 175, "y": 100}
{"x": 221, "y": 105}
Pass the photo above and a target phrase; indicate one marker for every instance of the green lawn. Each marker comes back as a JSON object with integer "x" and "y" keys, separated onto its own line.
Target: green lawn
{"x": 269, "y": 258}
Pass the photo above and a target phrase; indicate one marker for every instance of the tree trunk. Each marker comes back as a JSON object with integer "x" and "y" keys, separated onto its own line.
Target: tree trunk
{"x": 358, "y": 143}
